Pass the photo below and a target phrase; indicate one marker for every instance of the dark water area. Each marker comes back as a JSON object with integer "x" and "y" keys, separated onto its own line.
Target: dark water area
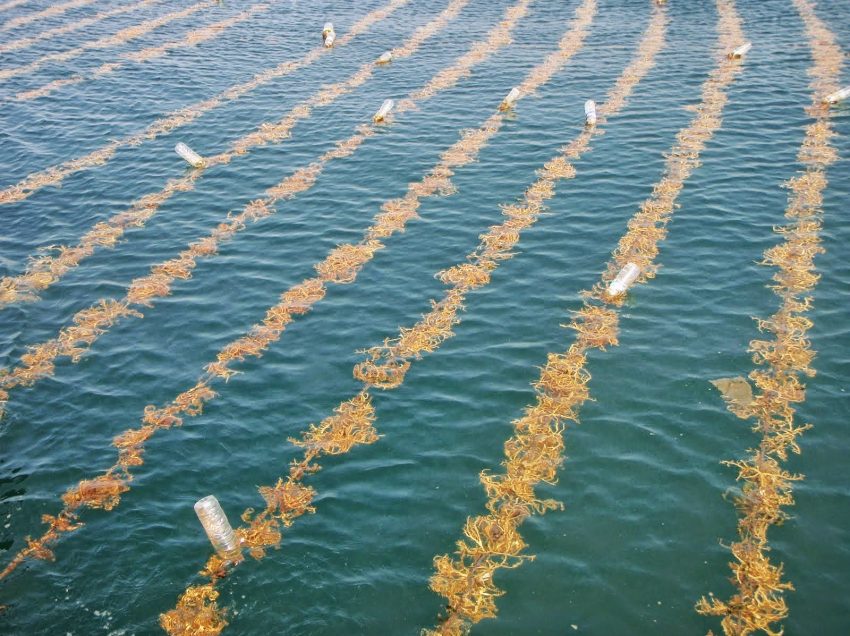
{"x": 643, "y": 532}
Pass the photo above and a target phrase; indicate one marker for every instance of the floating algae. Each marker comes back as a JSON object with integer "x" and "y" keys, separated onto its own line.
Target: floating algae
{"x": 44, "y": 271}
{"x": 535, "y": 452}
{"x": 351, "y": 423}
{"x": 299, "y": 299}
{"x": 91, "y": 323}
{"x": 54, "y": 175}
{"x": 192, "y": 38}
{"x": 75, "y": 25}
{"x": 125, "y": 35}
{"x": 56, "y": 9}
{"x": 784, "y": 360}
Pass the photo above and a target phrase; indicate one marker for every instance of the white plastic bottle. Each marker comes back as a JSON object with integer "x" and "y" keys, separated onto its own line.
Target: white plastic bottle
{"x": 386, "y": 57}
{"x": 218, "y": 528}
{"x": 510, "y": 99}
{"x": 590, "y": 112}
{"x": 192, "y": 158}
{"x": 383, "y": 111}
{"x": 838, "y": 96}
{"x": 742, "y": 50}
{"x": 624, "y": 280}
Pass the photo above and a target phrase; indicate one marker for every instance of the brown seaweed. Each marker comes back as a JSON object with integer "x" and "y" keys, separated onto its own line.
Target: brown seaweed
{"x": 783, "y": 359}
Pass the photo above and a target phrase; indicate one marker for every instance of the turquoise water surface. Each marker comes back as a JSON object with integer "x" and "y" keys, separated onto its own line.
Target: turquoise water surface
{"x": 641, "y": 538}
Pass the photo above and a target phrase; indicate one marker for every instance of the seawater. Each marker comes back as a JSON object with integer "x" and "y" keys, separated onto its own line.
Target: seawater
{"x": 640, "y": 539}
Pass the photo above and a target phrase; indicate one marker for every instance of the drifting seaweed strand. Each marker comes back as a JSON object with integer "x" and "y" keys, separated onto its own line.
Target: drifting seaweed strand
{"x": 192, "y": 38}
{"x": 535, "y": 452}
{"x": 295, "y": 301}
{"x": 45, "y": 270}
{"x": 351, "y": 424}
{"x": 50, "y": 12}
{"x": 124, "y": 35}
{"x": 89, "y": 324}
{"x": 75, "y": 25}
{"x": 784, "y": 361}
{"x": 54, "y": 175}
{"x": 11, "y": 4}
{"x": 386, "y": 365}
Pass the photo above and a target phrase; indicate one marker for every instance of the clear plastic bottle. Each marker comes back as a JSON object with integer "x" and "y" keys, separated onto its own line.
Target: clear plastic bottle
{"x": 383, "y": 111}
{"x": 510, "y": 99}
{"x": 192, "y": 158}
{"x": 624, "y": 280}
{"x": 590, "y": 112}
{"x": 218, "y": 528}
{"x": 386, "y": 57}
{"x": 838, "y": 96}
{"x": 742, "y": 50}
{"x": 328, "y": 34}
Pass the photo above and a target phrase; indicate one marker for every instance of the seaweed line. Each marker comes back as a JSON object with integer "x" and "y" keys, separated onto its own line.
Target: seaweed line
{"x": 11, "y": 4}
{"x": 192, "y": 38}
{"x": 784, "y": 360}
{"x": 89, "y": 324}
{"x": 197, "y": 611}
{"x": 341, "y": 266}
{"x": 54, "y": 175}
{"x": 76, "y": 25}
{"x": 534, "y": 454}
{"x": 57, "y": 9}
{"x": 124, "y": 35}
{"x": 47, "y": 269}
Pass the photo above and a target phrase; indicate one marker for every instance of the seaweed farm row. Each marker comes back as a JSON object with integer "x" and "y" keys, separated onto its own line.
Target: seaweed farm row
{"x": 301, "y": 306}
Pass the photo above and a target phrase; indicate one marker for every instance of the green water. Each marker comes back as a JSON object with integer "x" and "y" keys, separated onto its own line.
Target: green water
{"x": 639, "y": 540}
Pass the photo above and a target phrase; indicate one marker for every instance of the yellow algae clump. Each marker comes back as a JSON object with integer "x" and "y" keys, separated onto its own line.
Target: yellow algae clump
{"x": 100, "y": 492}
{"x": 197, "y": 614}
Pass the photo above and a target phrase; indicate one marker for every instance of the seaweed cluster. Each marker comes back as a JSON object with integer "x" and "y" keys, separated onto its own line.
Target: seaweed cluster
{"x": 54, "y": 175}
{"x": 341, "y": 266}
{"x": 192, "y": 38}
{"x": 69, "y": 27}
{"x": 197, "y": 612}
{"x": 784, "y": 361}
{"x": 296, "y": 301}
{"x": 352, "y": 421}
{"x": 122, "y": 36}
{"x": 11, "y": 4}
{"x": 44, "y": 271}
{"x": 535, "y": 452}
{"x": 50, "y": 12}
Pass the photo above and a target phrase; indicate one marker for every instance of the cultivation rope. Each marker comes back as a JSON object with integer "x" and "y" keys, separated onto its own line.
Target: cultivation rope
{"x": 75, "y": 25}
{"x": 54, "y": 175}
{"x": 197, "y": 611}
{"x": 104, "y": 491}
{"x": 535, "y": 452}
{"x": 192, "y": 38}
{"x": 784, "y": 360}
{"x": 124, "y": 35}
{"x": 92, "y": 322}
